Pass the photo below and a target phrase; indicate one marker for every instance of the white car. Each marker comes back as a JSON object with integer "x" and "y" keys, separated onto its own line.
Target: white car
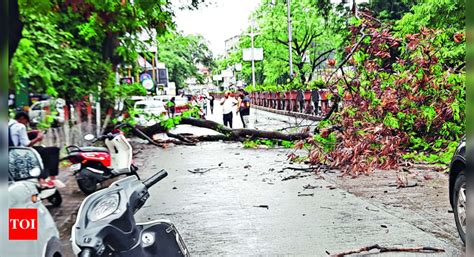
{"x": 38, "y": 111}
{"x": 148, "y": 111}
{"x": 25, "y": 165}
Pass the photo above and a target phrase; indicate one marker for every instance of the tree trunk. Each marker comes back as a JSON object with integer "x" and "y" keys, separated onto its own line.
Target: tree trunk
{"x": 225, "y": 133}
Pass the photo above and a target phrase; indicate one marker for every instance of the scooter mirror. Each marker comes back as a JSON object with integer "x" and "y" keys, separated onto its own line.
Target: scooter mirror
{"x": 89, "y": 137}
{"x": 24, "y": 163}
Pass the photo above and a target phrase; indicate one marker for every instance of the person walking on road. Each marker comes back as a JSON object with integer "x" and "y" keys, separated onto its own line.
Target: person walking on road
{"x": 171, "y": 107}
{"x": 211, "y": 103}
{"x": 228, "y": 103}
{"x": 244, "y": 108}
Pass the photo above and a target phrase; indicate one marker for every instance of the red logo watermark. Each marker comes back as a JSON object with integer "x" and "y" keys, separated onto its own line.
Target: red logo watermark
{"x": 23, "y": 224}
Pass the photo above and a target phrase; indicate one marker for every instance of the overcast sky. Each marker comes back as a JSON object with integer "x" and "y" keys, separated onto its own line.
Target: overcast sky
{"x": 220, "y": 21}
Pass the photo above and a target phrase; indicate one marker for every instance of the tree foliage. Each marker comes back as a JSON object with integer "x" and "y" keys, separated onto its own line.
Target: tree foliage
{"x": 395, "y": 108}
{"x": 69, "y": 47}
{"x": 182, "y": 54}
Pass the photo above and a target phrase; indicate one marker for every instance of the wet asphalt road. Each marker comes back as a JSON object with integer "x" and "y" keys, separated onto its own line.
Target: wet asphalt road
{"x": 223, "y": 212}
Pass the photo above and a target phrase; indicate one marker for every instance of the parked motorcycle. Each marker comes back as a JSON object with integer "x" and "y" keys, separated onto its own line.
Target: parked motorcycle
{"x": 93, "y": 165}
{"x": 24, "y": 168}
{"x": 105, "y": 225}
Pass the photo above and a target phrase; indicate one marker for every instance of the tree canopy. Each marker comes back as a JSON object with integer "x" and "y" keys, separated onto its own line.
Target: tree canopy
{"x": 69, "y": 47}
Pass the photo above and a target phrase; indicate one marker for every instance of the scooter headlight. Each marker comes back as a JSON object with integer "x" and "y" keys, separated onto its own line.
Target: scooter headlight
{"x": 104, "y": 207}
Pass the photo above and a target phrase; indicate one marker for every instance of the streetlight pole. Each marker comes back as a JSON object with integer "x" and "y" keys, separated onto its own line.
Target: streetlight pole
{"x": 252, "y": 35}
{"x": 288, "y": 4}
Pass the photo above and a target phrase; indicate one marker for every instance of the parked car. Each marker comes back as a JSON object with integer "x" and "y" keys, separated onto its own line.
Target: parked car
{"x": 147, "y": 109}
{"x": 457, "y": 188}
{"x": 40, "y": 109}
{"x": 163, "y": 98}
{"x": 24, "y": 165}
{"x": 181, "y": 104}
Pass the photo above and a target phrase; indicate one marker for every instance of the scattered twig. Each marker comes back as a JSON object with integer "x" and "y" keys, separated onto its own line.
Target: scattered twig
{"x": 294, "y": 177}
{"x": 367, "y": 208}
{"x": 201, "y": 170}
{"x": 308, "y": 186}
{"x": 390, "y": 249}
{"x": 403, "y": 186}
{"x": 262, "y": 206}
{"x": 312, "y": 194}
{"x": 307, "y": 169}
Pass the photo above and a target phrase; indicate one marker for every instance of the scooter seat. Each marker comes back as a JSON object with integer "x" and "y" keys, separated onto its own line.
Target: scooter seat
{"x": 93, "y": 149}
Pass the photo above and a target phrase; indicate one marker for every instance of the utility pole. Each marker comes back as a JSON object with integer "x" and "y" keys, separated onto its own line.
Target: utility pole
{"x": 252, "y": 35}
{"x": 288, "y": 4}
{"x": 97, "y": 110}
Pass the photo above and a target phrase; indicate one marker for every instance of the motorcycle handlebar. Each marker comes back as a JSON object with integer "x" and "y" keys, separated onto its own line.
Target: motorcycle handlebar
{"x": 149, "y": 182}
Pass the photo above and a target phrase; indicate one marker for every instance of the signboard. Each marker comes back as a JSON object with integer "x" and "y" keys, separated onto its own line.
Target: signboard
{"x": 148, "y": 84}
{"x": 163, "y": 76}
{"x": 227, "y": 73}
{"x": 145, "y": 76}
{"x": 126, "y": 80}
{"x": 257, "y": 54}
{"x": 238, "y": 66}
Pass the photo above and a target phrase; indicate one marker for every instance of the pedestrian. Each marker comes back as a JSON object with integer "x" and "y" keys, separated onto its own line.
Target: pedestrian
{"x": 17, "y": 136}
{"x": 17, "y": 131}
{"x": 244, "y": 108}
{"x": 211, "y": 103}
{"x": 228, "y": 103}
{"x": 300, "y": 99}
{"x": 171, "y": 107}
{"x": 315, "y": 100}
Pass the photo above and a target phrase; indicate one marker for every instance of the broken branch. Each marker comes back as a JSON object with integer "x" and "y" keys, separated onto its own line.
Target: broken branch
{"x": 390, "y": 249}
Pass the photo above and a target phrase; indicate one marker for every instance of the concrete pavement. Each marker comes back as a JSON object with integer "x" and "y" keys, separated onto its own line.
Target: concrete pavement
{"x": 223, "y": 211}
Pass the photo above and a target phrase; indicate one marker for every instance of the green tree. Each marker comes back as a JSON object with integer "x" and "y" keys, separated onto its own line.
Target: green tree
{"x": 182, "y": 54}
{"x": 389, "y": 11}
{"x": 69, "y": 47}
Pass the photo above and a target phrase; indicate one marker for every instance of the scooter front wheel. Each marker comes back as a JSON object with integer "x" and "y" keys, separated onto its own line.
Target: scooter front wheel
{"x": 88, "y": 185}
{"x": 55, "y": 199}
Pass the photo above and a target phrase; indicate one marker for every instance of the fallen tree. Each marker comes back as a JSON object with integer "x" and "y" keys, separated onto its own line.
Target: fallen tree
{"x": 225, "y": 133}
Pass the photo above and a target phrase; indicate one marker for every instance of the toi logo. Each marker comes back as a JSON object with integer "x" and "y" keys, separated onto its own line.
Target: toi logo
{"x": 23, "y": 224}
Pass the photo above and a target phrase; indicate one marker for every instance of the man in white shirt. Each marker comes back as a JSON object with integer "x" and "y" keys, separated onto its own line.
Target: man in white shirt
{"x": 17, "y": 131}
{"x": 228, "y": 104}
{"x": 19, "y": 137}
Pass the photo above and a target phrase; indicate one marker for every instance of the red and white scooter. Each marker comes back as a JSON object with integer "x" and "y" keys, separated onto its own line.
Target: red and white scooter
{"x": 92, "y": 165}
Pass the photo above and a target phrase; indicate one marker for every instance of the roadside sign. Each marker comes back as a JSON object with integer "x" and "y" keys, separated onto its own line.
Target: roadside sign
{"x": 257, "y": 54}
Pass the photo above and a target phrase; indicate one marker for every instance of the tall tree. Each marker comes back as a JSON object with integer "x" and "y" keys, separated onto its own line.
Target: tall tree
{"x": 182, "y": 54}
{"x": 70, "y": 46}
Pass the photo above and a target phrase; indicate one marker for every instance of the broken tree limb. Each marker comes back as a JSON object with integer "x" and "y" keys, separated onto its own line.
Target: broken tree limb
{"x": 181, "y": 137}
{"x": 227, "y": 133}
{"x": 390, "y": 249}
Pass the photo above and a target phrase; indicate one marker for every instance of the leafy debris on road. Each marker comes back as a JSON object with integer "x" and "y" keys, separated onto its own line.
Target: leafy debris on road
{"x": 390, "y": 249}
